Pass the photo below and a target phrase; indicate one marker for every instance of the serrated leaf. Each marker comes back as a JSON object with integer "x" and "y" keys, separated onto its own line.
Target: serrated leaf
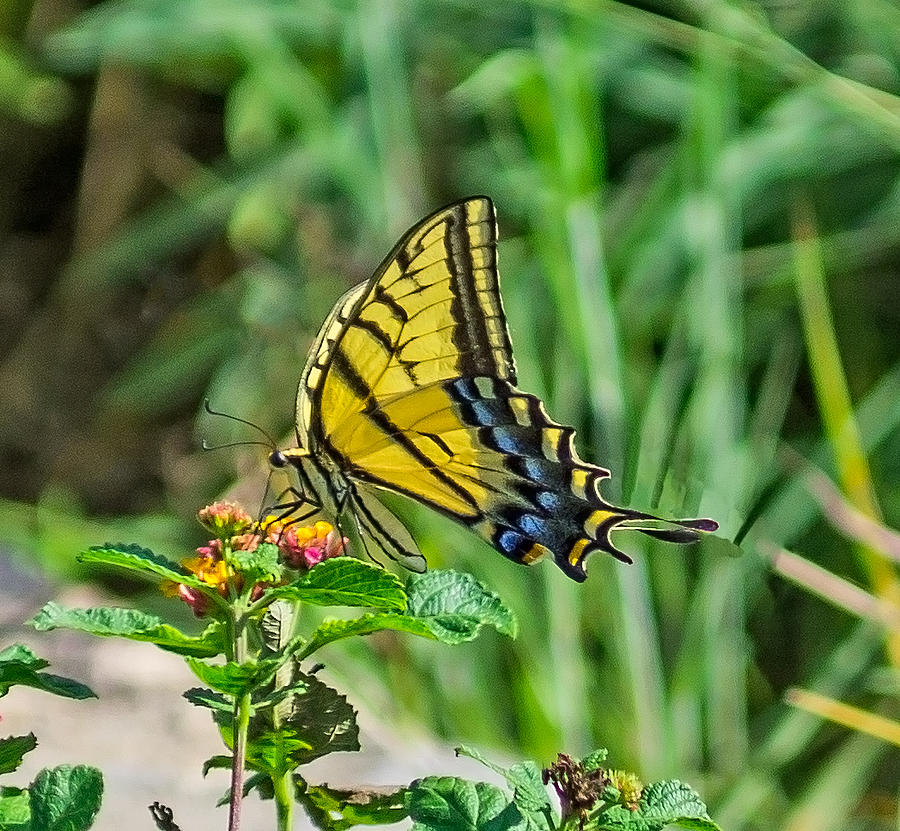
{"x": 21, "y": 654}
{"x": 452, "y": 619}
{"x": 231, "y": 678}
{"x": 314, "y": 720}
{"x": 136, "y": 558}
{"x": 337, "y": 810}
{"x": 332, "y": 629}
{"x": 445, "y": 596}
{"x": 201, "y": 697}
{"x": 13, "y": 749}
{"x": 595, "y": 760}
{"x": 260, "y": 564}
{"x": 661, "y": 804}
{"x": 346, "y": 581}
{"x": 15, "y": 810}
{"x": 65, "y": 798}
{"x": 447, "y": 803}
{"x": 524, "y": 779}
{"x": 131, "y": 624}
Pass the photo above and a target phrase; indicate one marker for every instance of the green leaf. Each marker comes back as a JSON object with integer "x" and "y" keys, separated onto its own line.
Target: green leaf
{"x": 346, "y": 581}
{"x": 277, "y": 625}
{"x": 131, "y": 624}
{"x": 232, "y": 678}
{"x": 201, "y": 697}
{"x": 661, "y": 804}
{"x": 143, "y": 560}
{"x": 221, "y": 762}
{"x": 524, "y": 779}
{"x": 595, "y": 760}
{"x": 445, "y": 597}
{"x": 261, "y": 564}
{"x": 337, "y": 810}
{"x": 445, "y": 606}
{"x": 19, "y": 665}
{"x": 15, "y": 810}
{"x": 446, "y": 803}
{"x": 332, "y": 629}
{"x": 65, "y": 798}
{"x": 21, "y": 654}
{"x": 313, "y": 720}
{"x": 13, "y": 749}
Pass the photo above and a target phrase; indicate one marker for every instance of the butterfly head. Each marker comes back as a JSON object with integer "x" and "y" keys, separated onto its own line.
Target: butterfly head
{"x": 280, "y": 459}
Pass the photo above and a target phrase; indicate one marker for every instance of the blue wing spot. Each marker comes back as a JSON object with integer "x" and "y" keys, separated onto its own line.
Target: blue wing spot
{"x": 532, "y": 525}
{"x": 508, "y": 441}
{"x": 549, "y": 500}
{"x": 508, "y": 541}
{"x": 464, "y": 389}
{"x": 484, "y": 412}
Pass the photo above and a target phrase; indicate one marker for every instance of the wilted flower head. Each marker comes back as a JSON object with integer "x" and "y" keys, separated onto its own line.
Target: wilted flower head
{"x": 579, "y": 788}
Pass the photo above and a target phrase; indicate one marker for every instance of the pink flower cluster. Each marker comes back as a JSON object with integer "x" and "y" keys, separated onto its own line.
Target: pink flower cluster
{"x": 306, "y": 546}
{"x": 300, "y": 548}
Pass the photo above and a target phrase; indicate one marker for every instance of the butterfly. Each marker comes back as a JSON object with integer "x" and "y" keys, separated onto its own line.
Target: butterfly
{"x": 410, "y": 387}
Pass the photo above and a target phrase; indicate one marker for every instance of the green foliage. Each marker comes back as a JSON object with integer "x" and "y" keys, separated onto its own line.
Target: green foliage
{"x": 336, "y": 810}
{"x": 646, "y": 161}
{"x": 345, "y": 581}
{"x": 131, "y": 624}
{"x": 19, "y": 665}
{"x": 273, "y": 715}
{"x": 139, "y": 559}
{"x": 64, "y": 798}
{"x": 13, "y": 749}
{"x": 451, "y": 804}
{"x": 444, "y": 803}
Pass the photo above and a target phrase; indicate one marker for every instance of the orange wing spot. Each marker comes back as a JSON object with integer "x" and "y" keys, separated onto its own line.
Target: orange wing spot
{"x": 593, "y": 522}
{"x": 535, "y": 553}
{"x": 577, "y": 551}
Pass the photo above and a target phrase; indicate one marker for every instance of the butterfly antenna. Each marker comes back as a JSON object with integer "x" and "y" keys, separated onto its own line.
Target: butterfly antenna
{"x": 207, "y": 446}
{"x": 271, "y": 442}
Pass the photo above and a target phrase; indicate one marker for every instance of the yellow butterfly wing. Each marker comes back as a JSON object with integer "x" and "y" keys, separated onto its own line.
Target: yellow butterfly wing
{"x": 410, "y": 387}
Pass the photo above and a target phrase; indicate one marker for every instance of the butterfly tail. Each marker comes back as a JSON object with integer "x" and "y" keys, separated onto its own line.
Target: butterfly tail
{"x": 601, "y": 522}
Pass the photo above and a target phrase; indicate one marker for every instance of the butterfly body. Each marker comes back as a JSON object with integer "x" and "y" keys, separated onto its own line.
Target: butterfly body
{"x": 410, "y": 387}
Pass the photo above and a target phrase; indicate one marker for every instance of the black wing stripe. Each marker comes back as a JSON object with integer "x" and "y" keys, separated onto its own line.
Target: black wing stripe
{"x": 470, "y": 337}
{"x": 379, "y": 533}
{"x": 341, "y": 364}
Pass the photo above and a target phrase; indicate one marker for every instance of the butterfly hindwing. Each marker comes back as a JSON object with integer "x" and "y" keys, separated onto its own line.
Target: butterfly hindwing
{"x": 485, "y": 453}
{"x": 378, "y": 524}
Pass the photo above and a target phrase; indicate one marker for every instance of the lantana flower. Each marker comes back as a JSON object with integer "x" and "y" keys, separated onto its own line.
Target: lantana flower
{"x": 300, "y": 547}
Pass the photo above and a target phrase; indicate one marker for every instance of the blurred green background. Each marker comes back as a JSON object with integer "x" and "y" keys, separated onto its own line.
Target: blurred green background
{"x": 699, "y": 206}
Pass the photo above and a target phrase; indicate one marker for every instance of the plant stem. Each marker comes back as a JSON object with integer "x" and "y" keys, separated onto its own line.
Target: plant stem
{"x": 284, "y": 804}
{"x": 240, "y": 723}
{"x": 283, "y": 785}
